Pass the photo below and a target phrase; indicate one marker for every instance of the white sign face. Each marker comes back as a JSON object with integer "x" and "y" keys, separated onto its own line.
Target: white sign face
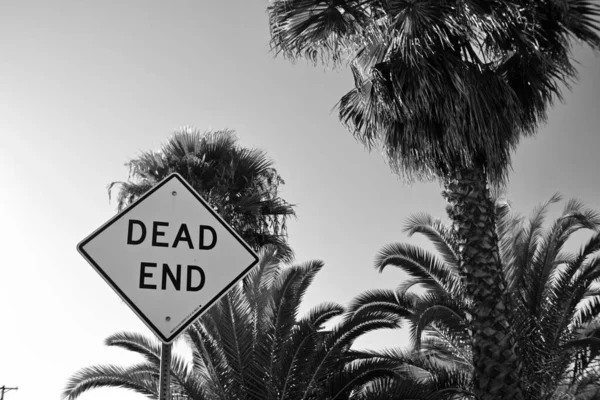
{"x": 169, "y": 256}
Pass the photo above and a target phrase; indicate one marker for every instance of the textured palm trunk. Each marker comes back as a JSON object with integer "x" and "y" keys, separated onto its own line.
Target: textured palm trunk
{"x": 497, "y": 365}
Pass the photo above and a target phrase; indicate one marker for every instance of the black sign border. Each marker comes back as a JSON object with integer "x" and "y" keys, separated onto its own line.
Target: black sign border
{"x": 170, "y": 338}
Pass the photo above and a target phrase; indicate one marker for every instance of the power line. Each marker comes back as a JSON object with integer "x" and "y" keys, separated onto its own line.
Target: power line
{"x": 5, "y": 389}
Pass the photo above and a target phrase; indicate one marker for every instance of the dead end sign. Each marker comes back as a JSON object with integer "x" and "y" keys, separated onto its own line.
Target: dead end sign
{"x": 169, "y": 256}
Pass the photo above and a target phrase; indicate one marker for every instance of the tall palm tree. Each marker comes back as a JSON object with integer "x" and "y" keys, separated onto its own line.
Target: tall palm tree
{"x": 555, "y": 296}
{"x": 446, "y": 89}
{"x": 252, "y": 346}
{"x": 240, "y": 183}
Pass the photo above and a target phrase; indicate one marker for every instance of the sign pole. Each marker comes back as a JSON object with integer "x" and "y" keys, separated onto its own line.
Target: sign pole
{"x": 165, "y": 372}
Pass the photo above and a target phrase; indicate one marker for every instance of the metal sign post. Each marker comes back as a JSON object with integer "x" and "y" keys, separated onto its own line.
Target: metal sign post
{"x": 165, "y": 372}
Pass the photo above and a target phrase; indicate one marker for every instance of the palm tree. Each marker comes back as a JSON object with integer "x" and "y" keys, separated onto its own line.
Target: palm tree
{"x": 447, "y": 89}
{"x": 555, "y": 297}
{"x": 252, "y": 346}
{"x": 240, "y": 183}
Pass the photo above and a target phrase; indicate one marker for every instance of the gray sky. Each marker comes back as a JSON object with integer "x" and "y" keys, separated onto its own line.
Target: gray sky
{"x": 85, "y": 86}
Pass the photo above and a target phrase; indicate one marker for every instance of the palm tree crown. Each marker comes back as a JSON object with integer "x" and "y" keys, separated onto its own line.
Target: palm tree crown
{"x": 240, "y": 183}
{"x": 555, "y": 297}
{"x": 441, "y": 84}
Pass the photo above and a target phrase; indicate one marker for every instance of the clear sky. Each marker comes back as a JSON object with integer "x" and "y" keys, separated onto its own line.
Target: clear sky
{"x": 87, "y": 85}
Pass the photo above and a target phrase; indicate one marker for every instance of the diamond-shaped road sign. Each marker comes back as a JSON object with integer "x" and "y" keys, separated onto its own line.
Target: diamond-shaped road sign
{"x": 169, "y": 256}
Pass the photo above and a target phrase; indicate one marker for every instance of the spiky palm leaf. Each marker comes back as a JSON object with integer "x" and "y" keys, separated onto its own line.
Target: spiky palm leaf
{"x": 241, "y": 184}
{"x": 112, "y": 376}
{"x": 422, "y": 265}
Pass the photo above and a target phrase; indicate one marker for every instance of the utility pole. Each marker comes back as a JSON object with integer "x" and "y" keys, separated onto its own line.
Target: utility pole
{"x": 5, "y": 389}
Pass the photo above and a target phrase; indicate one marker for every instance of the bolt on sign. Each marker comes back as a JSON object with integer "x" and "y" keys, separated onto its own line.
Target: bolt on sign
{"x": 169, "y": 256}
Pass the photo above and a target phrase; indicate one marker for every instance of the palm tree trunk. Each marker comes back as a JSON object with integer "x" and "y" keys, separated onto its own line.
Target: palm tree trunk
{"x": 497, "y": 365}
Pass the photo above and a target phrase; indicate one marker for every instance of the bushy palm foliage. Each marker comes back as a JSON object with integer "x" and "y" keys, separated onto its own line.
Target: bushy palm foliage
{"x": 554, "y": 296}
{"x": 441, "y": 84}
{"x": 240, "y": 183}
{"x": 252, "y": 346}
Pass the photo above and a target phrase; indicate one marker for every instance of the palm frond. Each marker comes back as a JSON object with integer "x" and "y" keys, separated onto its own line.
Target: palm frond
{"x": 444, "y": 387}
{"x": 208, "y": 353}
{"x": 111, "y": 376}
{"x": 289, "y": 289}
{"x": 447, "y": 348}
{"x": 405, "y": 286}
{"x": 317, "y": 31}
{"x": 236, "y": 338}
{"x": 359, "y": 374}
{"x": 526, "y": 242}
{"x": 381, "y": 301}
{"x": 322, "y": 313}
{"x": 574, "y": 267}
{"x": 442, "y": 311}
{"x": 434, "y": 273}
{"x": 262, "y": 277}
{"x": 588, "y": 310}
{"x": 437, "y": 233}
{"x": 544, "y": 261}
{"x": 295, "y": 358}
{"x": 339, "y": 340}
{"x": 581, "y": 21}
{"x": 148, "y": 348}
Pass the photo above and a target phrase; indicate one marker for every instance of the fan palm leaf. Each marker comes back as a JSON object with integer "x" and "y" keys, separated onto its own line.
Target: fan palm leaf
{"x": 241, "y": 184}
